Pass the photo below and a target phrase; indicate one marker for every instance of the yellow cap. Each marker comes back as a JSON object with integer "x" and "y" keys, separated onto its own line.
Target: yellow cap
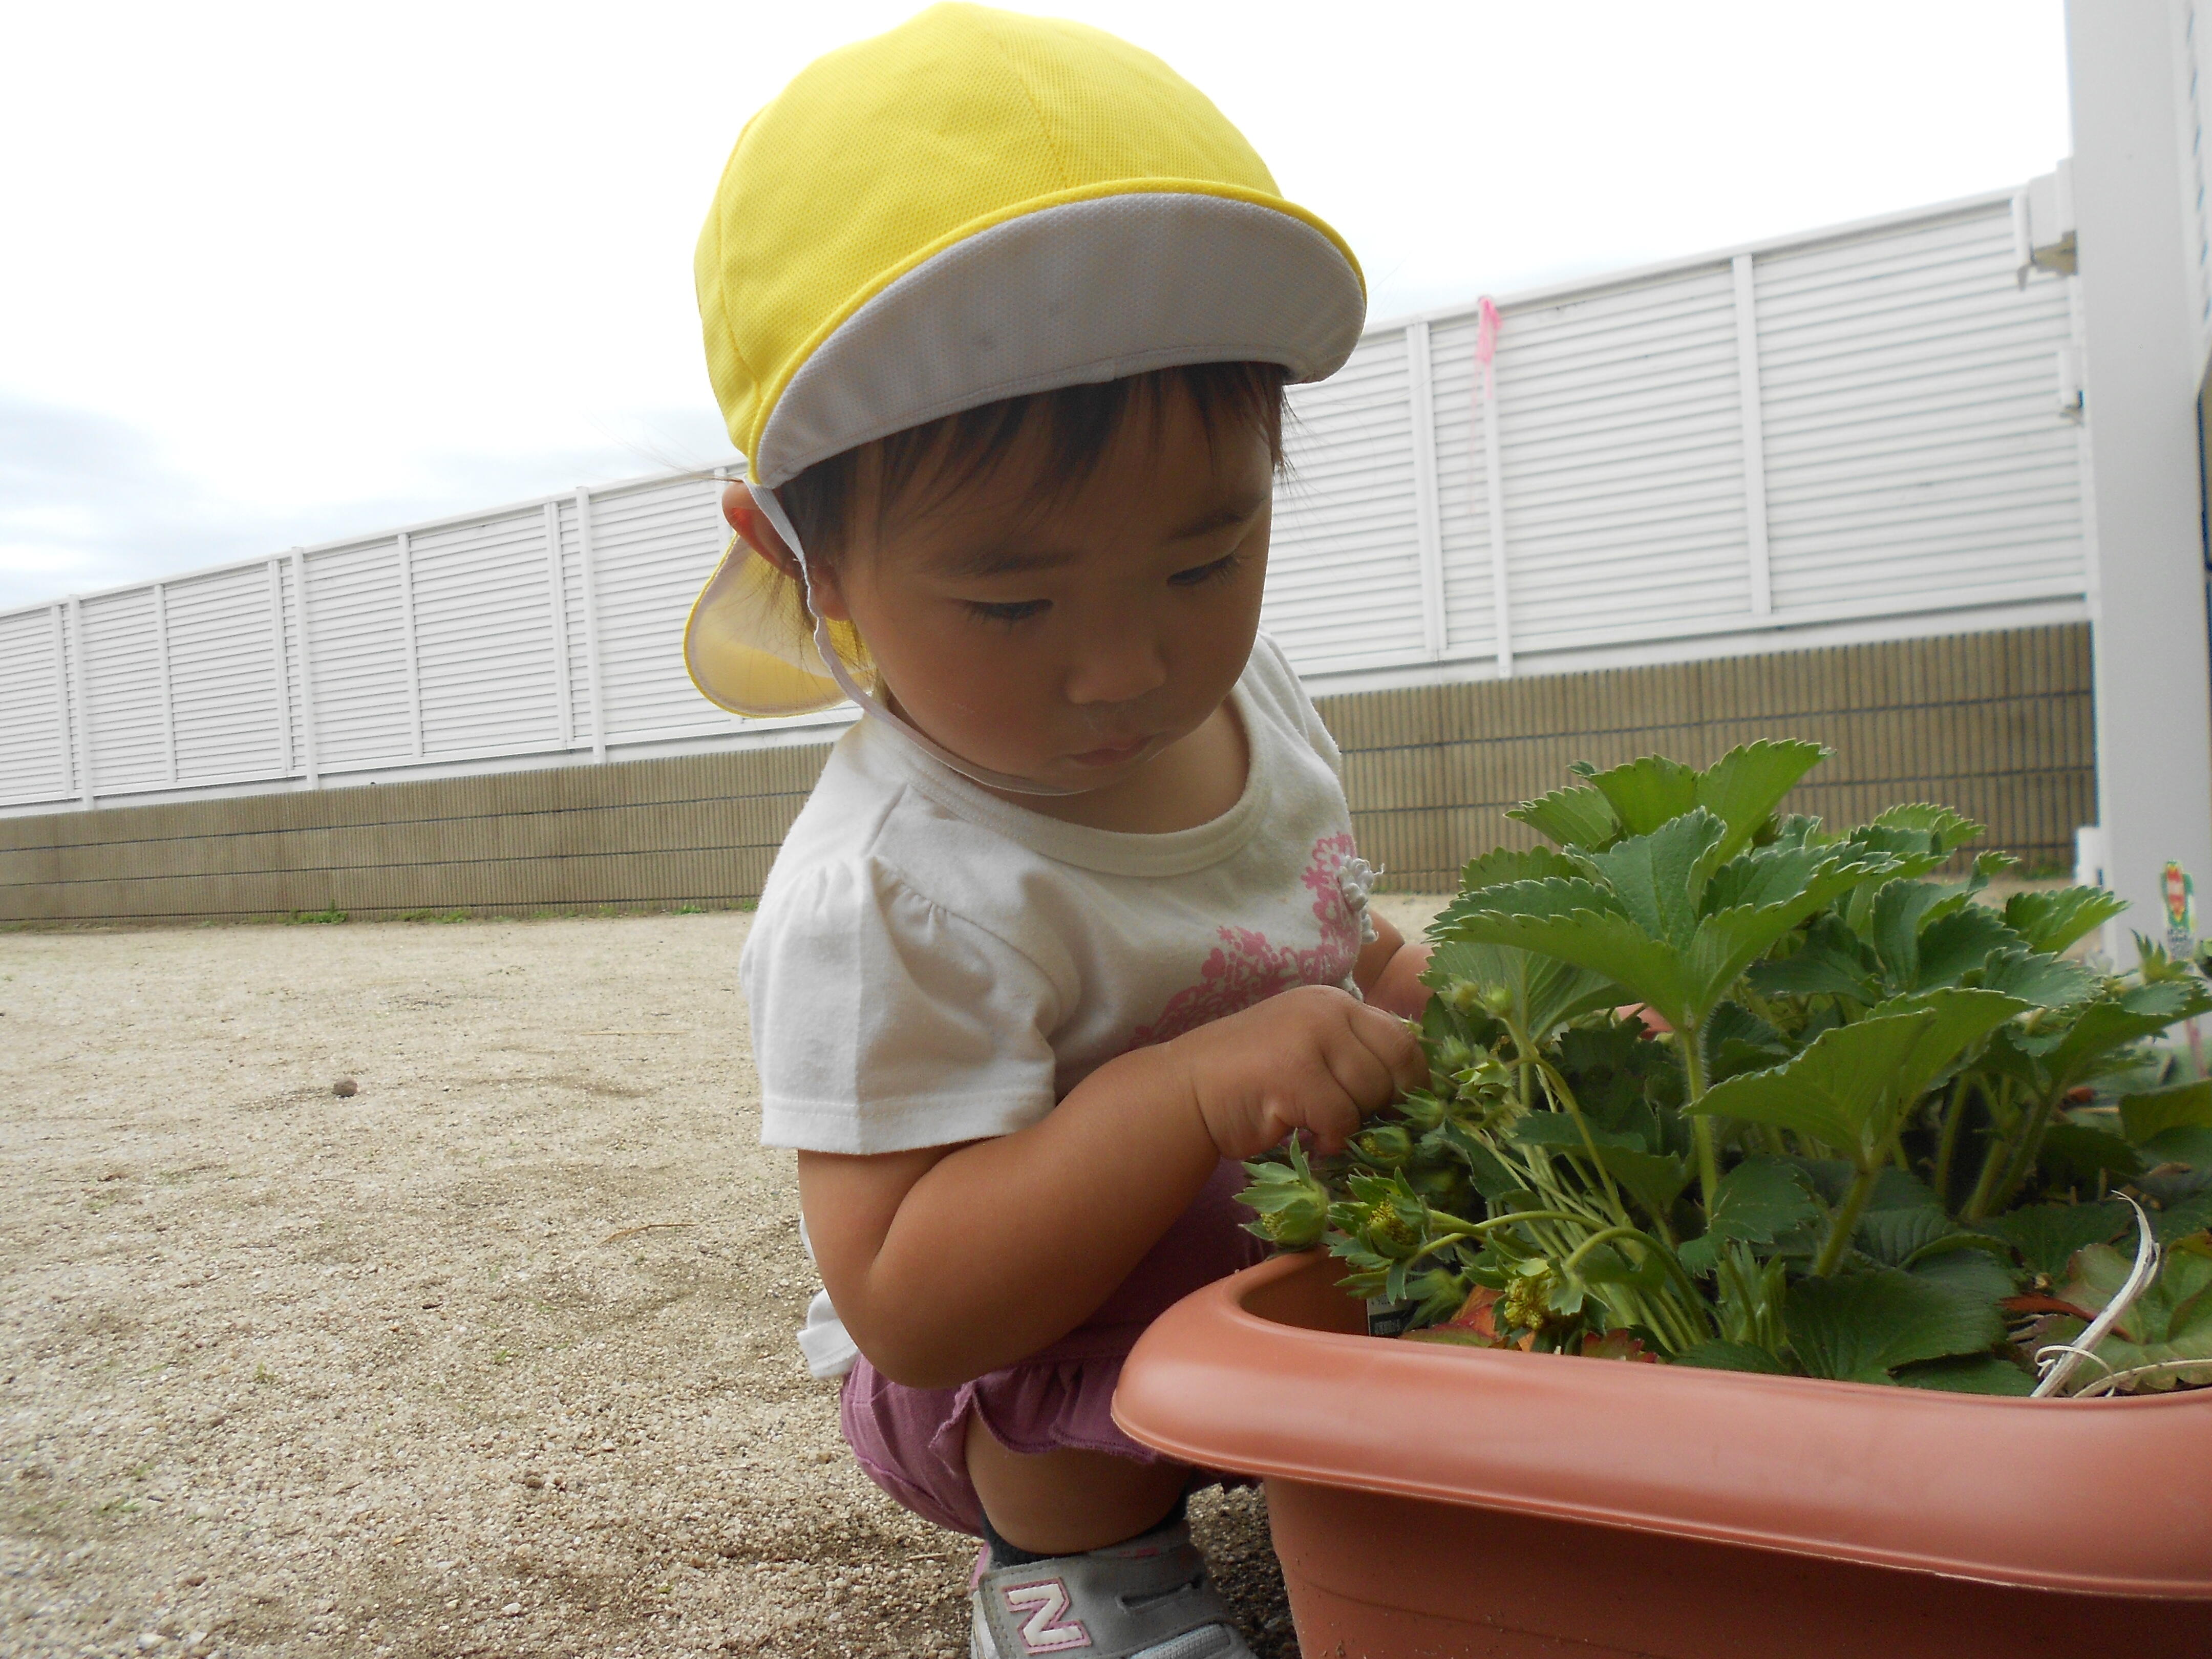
{"x": 973, "y": 206}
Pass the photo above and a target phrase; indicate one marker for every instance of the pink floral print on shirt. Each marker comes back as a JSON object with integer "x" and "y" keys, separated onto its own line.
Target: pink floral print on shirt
{"x": 1246, "y": 967}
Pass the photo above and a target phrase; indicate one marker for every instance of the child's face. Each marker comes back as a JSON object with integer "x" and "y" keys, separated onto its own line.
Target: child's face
{"x": 1071, "y": 644}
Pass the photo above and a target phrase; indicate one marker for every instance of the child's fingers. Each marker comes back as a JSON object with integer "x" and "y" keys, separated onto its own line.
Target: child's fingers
{"x": 1392, "y": 1041}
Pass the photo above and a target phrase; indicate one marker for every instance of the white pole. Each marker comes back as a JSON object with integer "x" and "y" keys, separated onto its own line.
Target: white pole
{"x": 563, "y": 693}
{"x": 309, "y": 765}
{"x": 1754, "y": 440}
{"x": 84, "y": 779}
{"x": 277, "y": 675}
{"x": 62, "y": 699}
{"x": 591, "y": 585}
{"x": 407, "y": 633}
{"x": 1494, "y": 473}
{"x": 1428, "y": 520}
{"x": 161, "y": 660}
{"x": 2153, "y": 671}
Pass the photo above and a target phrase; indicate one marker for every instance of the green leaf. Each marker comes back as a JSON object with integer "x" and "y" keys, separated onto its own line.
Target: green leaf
{"x": 2047, "y": 1234}
{"x": 2084, "y": 1154}
{"x": 1655, "y": 1180}
{"x": 1506, "y": 864}
{"x": 1646, "y": 793}
{"x": 1900, "y": 910}
{"x": 1826, "y": 964}
{"x": 1544, "y": 992}
{"x": 1898, "y": 1238}
{"x": 1743, "y": 786}
{"x": 1962, "y": 1019}
{"x": 1659, "y": 878}
{"x": 2046, "y": 981}
{"x": 1839, "y": 1092}
{"x": 2185, "y": 1216}
{"x": 1962, "y": 943}
{"x": 1947, "y": 832}
{"x": 1574, "y": 816}
{"x": 1980, "y": 1373}
{"x": 2187, "y": 1145}
{"x": 1759, "y": 1199}
{"x": 1728, "y": 941}
{"x": 1579, "y": 922}
{"x": 2182, "y": 1106}
{"x": 1974, "y": 1274}
{"x": 1731, "y": 1356}
{"x": 2053, "y": 920}
{"x": 1859, "y": 1327}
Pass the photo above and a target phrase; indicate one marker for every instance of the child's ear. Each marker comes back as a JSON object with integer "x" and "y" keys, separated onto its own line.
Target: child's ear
{"x": 744, "y": 516}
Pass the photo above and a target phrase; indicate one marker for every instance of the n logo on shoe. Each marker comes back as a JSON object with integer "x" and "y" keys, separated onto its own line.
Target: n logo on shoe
{"x": 1047, "y": 1629}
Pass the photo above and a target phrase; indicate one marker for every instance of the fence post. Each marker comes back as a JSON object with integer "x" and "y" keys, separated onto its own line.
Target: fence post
{"x": 1428, "y": 518}
{"x": 84, "y": 780}
{"x": 593, "y": 676}
{"x": 1754, "y": 440}
{"x": 557, "y": 589}
{"x": 407, "y": 634}
{"x": 168, "y": 694}
{"x": 62, "y": 700}
{"x": 309, "y": 759}
{"x": 1486, "y": 394}
{"x": 277, "y": 676}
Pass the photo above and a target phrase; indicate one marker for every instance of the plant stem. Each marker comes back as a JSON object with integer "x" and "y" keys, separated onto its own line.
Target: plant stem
{"x": 2025, "y": 1151}
{"x": 1947, "y": 1143}
{"x": 1994, "y": 1163}
{"x": 1846, "y": 1220}
{"x": 1709, "y": 1162}
{"x": 1666, "y": 1256}
{"x": 1556, "y": 1086}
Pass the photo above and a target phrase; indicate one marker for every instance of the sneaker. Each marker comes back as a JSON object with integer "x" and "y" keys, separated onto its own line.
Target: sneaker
{"x": 1147, "y": 1599}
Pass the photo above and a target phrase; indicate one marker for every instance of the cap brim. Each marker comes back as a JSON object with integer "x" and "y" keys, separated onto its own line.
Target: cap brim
{"x": 746, "y": 645}
{"x": 1117, "y": 282}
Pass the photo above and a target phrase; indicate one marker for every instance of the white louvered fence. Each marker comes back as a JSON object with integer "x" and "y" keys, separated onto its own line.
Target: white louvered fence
{"x": 1856, "y": 426}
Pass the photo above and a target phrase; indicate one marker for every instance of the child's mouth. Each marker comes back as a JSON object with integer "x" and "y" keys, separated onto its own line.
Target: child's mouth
{"x": 1112, "y": 756}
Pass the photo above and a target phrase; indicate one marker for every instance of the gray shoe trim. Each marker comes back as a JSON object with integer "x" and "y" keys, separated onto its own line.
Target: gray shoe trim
{"x": 1115, "y": 1603}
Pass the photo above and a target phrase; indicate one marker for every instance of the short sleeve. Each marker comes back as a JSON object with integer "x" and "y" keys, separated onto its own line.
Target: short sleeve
{"x": 1289, "y": 691}
{"x": 882, "y": 1021}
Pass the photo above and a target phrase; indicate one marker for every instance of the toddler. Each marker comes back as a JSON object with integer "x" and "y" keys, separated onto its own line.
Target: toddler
{"x": 1000, "y": 312}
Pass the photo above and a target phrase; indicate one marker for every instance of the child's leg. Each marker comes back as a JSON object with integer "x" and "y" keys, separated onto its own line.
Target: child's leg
{"x": 1066, "y": 1502}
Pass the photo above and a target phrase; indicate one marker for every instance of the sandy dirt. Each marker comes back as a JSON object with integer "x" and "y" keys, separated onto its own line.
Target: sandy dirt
{"x": 491, "y": 1357}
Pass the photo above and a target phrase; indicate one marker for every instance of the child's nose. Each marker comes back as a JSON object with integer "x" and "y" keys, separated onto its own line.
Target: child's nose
{"x": 1116, "y": 665}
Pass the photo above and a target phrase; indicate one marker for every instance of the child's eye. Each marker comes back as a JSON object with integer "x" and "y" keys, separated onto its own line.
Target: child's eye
{"x": 1199, "y": 575}
{"x": 1020, "y": 611}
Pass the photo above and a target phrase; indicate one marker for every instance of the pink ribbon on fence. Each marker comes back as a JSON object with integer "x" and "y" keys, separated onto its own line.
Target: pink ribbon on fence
{"x": 1485, "y": 351}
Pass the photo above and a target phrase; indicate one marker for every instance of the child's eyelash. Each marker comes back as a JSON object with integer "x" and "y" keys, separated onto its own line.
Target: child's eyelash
{"x": 1198, "y": 575}
{"x": 1006, "y": 614}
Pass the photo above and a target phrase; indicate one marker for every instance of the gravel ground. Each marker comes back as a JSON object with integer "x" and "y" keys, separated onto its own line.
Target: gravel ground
{"x": 490, "y": 1357}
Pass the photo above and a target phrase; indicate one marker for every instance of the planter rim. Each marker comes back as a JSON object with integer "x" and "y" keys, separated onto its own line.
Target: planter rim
{"x": 1244, "y": 1375}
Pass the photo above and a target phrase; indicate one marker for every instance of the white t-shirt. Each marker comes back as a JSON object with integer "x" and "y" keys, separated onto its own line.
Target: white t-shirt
{"x": 931, "y": 964}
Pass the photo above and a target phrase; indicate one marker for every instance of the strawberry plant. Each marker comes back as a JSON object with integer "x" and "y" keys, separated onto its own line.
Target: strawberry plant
{"x": 1711, "y": 1085}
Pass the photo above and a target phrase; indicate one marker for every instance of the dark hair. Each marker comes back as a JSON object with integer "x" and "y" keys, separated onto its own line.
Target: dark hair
{"x": 1079, "y": 421}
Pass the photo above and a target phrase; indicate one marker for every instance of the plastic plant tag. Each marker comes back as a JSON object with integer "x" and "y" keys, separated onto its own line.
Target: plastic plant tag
{"x": 1387, "y": 1318}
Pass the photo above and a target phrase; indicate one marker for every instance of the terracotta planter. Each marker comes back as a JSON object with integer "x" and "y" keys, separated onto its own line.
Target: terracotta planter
{"x": 1458, "y": 1502}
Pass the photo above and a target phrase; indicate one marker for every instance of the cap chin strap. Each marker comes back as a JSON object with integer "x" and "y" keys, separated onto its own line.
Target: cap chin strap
{"x": 769, "y": 505}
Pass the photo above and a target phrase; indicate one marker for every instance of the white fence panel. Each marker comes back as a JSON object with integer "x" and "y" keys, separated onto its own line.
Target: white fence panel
{"x": 358, "y": 658}
{"x": 651, "y": 550}
{"x": 1622, "y": 442}
{"x": 1861, "y": 423}
{"x": 1914, "y": 455}
{"x": 126, "y": 712}
{"x": 228, "y": 712}
{"x": 34, "y": 754}
{"x": 484, "y": 637}
{"x": 1462, "y": 492}
{"x": 1344, "y": 588}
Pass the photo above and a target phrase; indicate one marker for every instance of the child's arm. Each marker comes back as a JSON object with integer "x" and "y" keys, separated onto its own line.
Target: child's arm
{"x": 947, "y": 1262}
{"x": 1388, "y": 972}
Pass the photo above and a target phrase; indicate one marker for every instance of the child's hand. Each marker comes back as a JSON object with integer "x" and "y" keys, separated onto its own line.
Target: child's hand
{"x": 1315, "y": 1059}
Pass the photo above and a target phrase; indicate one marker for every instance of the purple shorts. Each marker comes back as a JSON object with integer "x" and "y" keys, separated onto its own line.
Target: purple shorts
{"x": 914, "y": 1442}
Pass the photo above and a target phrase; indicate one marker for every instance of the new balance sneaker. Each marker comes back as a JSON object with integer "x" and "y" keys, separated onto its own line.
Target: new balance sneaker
{"x": 1147, "y": 1599}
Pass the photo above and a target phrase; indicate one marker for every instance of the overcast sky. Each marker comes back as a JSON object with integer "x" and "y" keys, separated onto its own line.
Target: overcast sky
{"x": 278, "y": 274}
